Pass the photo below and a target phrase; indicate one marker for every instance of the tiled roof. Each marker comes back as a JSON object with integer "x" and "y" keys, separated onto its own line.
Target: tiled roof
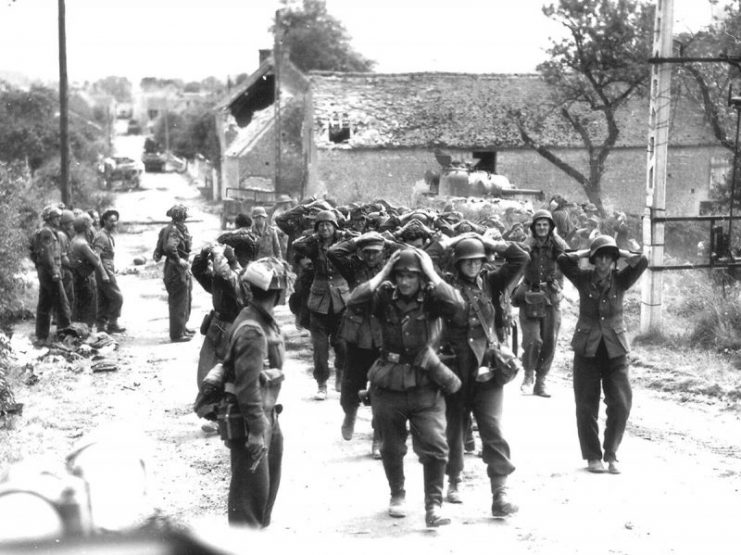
{"x": 462, "y": 110}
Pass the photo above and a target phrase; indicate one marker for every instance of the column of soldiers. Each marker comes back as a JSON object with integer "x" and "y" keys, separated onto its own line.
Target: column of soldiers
{"x": 415, "y": 305}
{"x": 73, "y": 252}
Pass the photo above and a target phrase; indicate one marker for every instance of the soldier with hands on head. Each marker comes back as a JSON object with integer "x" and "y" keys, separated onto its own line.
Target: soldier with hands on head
{"x": 601, "y": 346}
{"x": 538, "y": 297}
{"x": 472, "y": 337}
{"x": 408, "y": 381}
{"x": 327, "y": 298}
{"x": 110, "y": 299}
{"x": 265, "y": 234}
{"x": 47, "y": 257}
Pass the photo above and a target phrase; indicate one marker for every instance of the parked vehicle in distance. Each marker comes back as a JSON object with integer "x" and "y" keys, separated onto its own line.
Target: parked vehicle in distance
{"x": 153, "y": 158}
{"x": 121, "y": 171}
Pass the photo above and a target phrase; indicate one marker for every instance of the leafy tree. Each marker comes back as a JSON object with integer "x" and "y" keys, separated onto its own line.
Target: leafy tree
{"x": 212, "y": 85}
{"x": 190, "y": 133}
{"x": 316, "y": 39}
{"x": 118, "y": 87}
{"x": 592, "y": 73}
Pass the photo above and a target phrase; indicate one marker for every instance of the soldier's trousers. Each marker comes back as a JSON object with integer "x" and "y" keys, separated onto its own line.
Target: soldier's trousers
{"x": 252, "y": 494}
{"x": 611, "y": 374}
{"x": 424, "y": 409}
{"x": 485, "y": 400}
{"x": 51, "y": 298}
{"x": 86, "y": 299}
{"x": 68, "y": 282}
{"x": 179, "y": 285}
{"x": 355, "y": 375}
{"x": 110, "y": 300}
{"x": 539, "y": 337}
{"x": 213, "y": 349}
{"x": 323, "y": 328}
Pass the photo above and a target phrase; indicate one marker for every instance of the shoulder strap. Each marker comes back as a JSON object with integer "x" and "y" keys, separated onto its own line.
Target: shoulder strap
{"x": 228, "y": 362}
{"x": 477, "y": 309}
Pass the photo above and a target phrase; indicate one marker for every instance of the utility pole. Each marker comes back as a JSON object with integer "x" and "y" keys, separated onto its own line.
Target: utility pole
{"x": 658, "y": 142}
{"x": 63, "y": 106}
{"x": 277, "y": 54}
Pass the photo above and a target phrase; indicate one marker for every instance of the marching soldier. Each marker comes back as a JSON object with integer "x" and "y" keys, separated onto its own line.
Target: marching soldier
{"x": 110, "y": 299}
{"x": 472, "y": 336}
{"x": 538, "y": 298}
{"x": 46, "y": 255}
{"x": 407, "y": 379}
{"x": 327, "y": 298}
{"x": 600, "y": 346}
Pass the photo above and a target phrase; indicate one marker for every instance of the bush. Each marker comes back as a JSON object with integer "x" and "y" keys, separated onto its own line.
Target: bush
{"x": 718, "y": 323}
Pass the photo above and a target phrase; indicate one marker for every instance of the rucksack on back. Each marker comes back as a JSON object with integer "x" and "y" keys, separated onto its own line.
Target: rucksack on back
{"x": 159, "y": 250}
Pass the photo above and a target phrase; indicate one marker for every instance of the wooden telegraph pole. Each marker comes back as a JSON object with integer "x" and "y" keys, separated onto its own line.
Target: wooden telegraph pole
{"x": 658, "y": 139}
{"x": 63, "y": 107}
{"x": 277, "y": 54}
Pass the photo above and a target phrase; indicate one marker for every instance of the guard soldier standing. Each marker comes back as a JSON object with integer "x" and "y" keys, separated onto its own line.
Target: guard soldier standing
{"x": 538, "y": 298}
{"x": 110, "y": 299}
{"x": 65, "y": 234}
{"x": 472, "y": 337}
{"x": 601, "y": 347}
{"x": 176, "y": 244}
{"x": 256, "y": 441}
{"x": 327, "y": 298}
{"x": 46, "y": 255}
{"x": 85, "y": 263}
{"x": 407, "y": 379}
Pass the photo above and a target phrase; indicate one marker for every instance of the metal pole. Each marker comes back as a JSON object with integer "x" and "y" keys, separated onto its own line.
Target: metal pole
{"x": 658, "y": 139}
{"x": 733, "y": 178}
{"x": 277, "y": 53}
{"x": 63, "y": 107}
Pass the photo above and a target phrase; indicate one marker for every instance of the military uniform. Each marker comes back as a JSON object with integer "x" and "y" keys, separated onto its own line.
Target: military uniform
{"x": 470, "y": 338}
{"x": 327, "y": 298}
{"x": 600, "y": 354}
{"x": 110, "y": 298}
{"x": 255, "y": 337}
{"x": 46, "y": 255}
{"x": 68, "y": 280}
{"x": 401, "y": 391}
{"x": 267, "y": 241}
{"x": 539, "y": 335}
{"x": 176, "y": 242}
{"x": 84, "y": 263}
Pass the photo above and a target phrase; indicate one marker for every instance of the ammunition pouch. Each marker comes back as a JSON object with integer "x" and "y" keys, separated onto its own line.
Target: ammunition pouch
{"x": 501, "y": 366}
{"x": 439, "y": 373}
{"x": 232, "y": 425}
{"x": 535, "y": 304}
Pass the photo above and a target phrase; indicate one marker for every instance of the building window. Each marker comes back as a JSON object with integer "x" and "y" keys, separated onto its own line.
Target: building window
{"x": 720, "y": 171}
{"x": 339, "y": 128}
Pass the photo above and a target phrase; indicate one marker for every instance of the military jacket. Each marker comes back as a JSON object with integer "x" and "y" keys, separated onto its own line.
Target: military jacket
{"x": 46, "y": 251}
{"x": 105, "y": 245}
{"x": 176, "y": 242}
{"x": 329, "y": 291}
{"x": 407, "y": 327}
{"x": 64, "y": 246}
{"x": 226, "y": 293}
{"x": 267, "y": 242}
{"x": 82, "y": 257}
{"x": 600, "y": 308}
{"x": 543, "y": 270}
{"x": 466, "y": 329}
{"x": 254, "y": 365}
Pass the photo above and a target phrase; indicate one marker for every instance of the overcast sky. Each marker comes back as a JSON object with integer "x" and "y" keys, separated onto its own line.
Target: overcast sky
{"x": 192, "y": 39}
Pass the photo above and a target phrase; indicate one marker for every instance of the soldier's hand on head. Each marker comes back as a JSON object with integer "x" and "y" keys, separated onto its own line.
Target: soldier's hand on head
{"x": 426, "y": 263}
{"x": 389, "y": 266}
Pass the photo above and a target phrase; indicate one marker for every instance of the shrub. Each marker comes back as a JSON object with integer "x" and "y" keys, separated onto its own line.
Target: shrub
{"x": 718, "y": 324}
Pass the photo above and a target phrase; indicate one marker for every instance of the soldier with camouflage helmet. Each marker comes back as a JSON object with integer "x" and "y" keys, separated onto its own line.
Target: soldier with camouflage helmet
{"x": 176, "y": 245}
{"x": 46, "y": 255}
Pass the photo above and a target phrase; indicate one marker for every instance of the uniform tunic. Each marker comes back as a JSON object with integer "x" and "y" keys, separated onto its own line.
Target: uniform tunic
{"x": 84, "y": 263}
{"x": 600, "y": 354}
{"x": 252, "y": 494}
{"x": 176, "y": 242}
{"x": 469, "y": 342}
{"x": 46, "y": 255}
{"x": 267, "y": 240}
{"x": 110, "y": 299}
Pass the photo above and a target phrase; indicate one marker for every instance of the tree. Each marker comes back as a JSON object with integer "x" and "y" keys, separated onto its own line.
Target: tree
{"x": 592, "y": 73}
{"x": 315, "y": 39}
{"x": 118, "y": 87}
{"x": 191, "y": 133}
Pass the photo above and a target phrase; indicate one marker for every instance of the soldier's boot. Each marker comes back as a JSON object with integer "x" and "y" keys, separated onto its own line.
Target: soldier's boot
{"x": 434, "y": 476}
{"x": 102, "y": 325}
{"x": 527, "y": 382}
{"x": 398, "y": 505}
{"x": 454, "y": 494}
{"x": 439, "y": 373}
{"x": 501, "y": 505}
{"x": 395, "y": 475}
{"x": 348, "y": 424}
{"x": 540, "y": 388}
{"x": 114, "y": 327}
{"x": 376, "y": 446}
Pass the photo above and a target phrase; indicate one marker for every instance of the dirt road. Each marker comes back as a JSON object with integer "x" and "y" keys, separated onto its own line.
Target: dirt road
{"x": 679, "y": 491}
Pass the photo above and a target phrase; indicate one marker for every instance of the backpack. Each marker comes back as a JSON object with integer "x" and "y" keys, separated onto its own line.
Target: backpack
{"x": 159, "y": 249}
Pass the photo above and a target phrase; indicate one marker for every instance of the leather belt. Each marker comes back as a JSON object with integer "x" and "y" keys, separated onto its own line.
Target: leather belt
{"x": 397, "y": 358}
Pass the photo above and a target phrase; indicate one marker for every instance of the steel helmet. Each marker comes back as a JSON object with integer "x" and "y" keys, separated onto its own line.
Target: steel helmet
{"x": 603, "y": 244}
{"x": 67, "y": 217}
{"x": 467, "y": 249}
{"x": 82, "y": 223}
{"x": 266, "y": 273}
{"x": 370, "y": 240}
{"x": 408, "y": 261}
{"x": 259, "y": 212}
{"x": 50, "y": 212}
{"x": 542, "y": 215}
{"x": 325, "y": 216}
